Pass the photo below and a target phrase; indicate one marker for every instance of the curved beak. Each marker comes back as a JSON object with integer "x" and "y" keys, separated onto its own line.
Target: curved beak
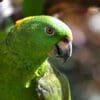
{"x": 63, "y": 49}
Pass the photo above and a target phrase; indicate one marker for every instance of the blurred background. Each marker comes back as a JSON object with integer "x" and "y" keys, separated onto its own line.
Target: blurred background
{"x": 83, "y": 17}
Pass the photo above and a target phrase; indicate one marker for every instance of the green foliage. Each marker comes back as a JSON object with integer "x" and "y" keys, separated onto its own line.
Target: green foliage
{"x": 32, "y": 7}
{"x": 8, "y": 24}
{"x": 6, "y": 30}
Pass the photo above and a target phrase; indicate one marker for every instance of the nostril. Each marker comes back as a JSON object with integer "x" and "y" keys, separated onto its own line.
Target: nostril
{"x": 64, "y": 39}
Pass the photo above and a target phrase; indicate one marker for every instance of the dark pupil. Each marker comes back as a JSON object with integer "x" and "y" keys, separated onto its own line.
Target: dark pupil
{"x": 49, "y": 30}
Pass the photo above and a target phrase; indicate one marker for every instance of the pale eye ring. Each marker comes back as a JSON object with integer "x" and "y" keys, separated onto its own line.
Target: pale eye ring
{"x": 49, "y": 31}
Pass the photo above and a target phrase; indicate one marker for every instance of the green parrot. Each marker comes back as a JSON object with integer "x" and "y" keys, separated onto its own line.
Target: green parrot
{"x": 25, "y": 71}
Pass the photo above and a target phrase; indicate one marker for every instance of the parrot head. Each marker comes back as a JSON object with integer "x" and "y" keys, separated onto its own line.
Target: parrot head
{"x": 38, "y": 35}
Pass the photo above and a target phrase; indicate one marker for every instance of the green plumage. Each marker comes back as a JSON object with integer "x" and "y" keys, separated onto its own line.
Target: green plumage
{"x": 25, "y": 72}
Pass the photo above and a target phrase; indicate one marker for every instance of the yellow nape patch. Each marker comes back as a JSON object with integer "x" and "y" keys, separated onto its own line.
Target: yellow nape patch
{"x": 19, "y": 22}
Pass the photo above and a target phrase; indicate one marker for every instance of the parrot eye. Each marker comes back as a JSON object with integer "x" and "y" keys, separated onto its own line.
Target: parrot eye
{"x": 49, "y": 31}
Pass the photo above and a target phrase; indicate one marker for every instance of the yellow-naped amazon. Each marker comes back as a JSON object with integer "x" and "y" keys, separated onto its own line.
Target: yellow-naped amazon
{"x": 25, "y": 72}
